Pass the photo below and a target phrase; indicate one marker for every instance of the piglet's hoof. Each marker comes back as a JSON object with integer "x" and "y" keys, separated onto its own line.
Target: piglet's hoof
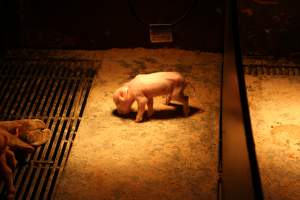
{"x": 33, "y": 132}
{"x": 36, "y": 137}
{"x": 138, "y": 119}
{"x": 149, "y": 113}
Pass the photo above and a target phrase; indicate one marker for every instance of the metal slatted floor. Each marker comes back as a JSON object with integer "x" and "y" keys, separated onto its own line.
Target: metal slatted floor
{"x": 55, "y": 92}
{"x": 271, "y": 70}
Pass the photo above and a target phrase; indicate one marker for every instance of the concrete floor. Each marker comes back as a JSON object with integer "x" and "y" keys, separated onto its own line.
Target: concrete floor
{"x": 166, "y": 157}
{"x": 275, "y": 115}
{"x": 169, "y": 156}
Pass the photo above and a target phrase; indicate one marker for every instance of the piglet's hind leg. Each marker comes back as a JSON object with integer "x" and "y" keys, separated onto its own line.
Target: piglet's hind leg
{"x": 185, "y": 101}
{"x": 168, "y": 99}
{"x": 178, "y": 95}
{"x": 186, "y": 108}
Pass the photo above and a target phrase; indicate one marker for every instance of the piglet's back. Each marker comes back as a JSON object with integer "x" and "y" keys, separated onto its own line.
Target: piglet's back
{"x": 157, "y": 77}
{"x": 156, "y": 84}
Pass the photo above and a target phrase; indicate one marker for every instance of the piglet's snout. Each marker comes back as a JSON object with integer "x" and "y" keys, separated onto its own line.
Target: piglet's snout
{"x": 123, "y": 112}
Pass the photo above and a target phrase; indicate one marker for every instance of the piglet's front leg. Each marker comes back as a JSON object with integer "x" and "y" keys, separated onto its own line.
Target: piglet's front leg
{"x": 141, "y": 101}
{"x": 150, "y": 107}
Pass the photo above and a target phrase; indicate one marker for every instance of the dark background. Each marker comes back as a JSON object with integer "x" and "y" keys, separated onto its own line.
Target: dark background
{"x": 267, "y": 27}
{"x": 270, "y": 27}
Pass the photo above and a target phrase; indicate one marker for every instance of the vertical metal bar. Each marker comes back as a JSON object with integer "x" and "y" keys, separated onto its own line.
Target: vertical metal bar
{"x": 35, "y": 96}
{"x": 88, "y": 86}
{"x": 59, "y": 146}
{"x": 72, "y": 100}
{"x": 57, "y": 142}
{"x": 48, "y": 175}
{"x": 240, "y": 177}
{"x": 71, "y": 92}
{"x": 22, "y": 97}
{"x": 38, "y": 182}
{"x": 51, "y": 184}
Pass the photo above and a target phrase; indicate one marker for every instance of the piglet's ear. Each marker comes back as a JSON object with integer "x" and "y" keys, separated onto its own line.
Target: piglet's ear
{"x": 123, "y": 93}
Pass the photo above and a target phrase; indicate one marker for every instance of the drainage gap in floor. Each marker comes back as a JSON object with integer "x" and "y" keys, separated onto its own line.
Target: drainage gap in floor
{"x": 55, "y": 92}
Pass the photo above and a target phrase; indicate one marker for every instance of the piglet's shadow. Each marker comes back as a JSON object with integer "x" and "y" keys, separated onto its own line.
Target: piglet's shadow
{"x": 130, "y": 115}
{"x": 177, "y": 112}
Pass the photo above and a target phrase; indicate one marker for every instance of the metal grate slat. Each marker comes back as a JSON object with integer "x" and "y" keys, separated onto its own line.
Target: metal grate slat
{"x": 72, "y": 100}
{"x": 36, "y": 91}
{"x": 6, "y": 84}
{"x": 38, "y": 101}
{"x": 84, "y": 100}
{"x": 59, "y": 142}
{"x": 46, "y": 98}
{"x": 33, "y": 190}
{"x": 44, "y": 148}
{"x": 25, "y": 100}
{"x": 52, "y": 110}
{"x": 10, "y": 97}
{"x": 46, "y": 176}
{"x": 50, "y": 188}
{"x": 256, "y": 70}
{"x": 28, "y": 182}
{"x": 55, "y": 93}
